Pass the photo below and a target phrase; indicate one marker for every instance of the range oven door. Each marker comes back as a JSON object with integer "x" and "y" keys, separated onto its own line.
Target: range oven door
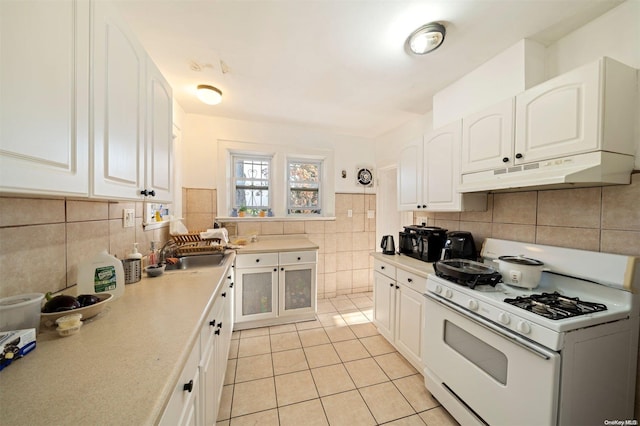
{"x": 483, "y": 372}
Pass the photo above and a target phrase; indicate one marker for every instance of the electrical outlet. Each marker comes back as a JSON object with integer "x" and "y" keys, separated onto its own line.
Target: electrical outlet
{"x": 128, "y": 218}
{"x": 349, "y": 213}
{"x": 371, "y": 214}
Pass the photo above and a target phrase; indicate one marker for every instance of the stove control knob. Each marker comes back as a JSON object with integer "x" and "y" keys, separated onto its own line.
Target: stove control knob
{"x": 438, "y": 289}
{"x": 448, "y": 293}
{"x": 523, "y": 327}
{"x": 472, "y": 304}
{"x": 504, "y": 318}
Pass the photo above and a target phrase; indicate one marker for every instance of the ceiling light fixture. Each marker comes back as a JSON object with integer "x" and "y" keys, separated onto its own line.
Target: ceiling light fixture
{"x": 426, "y": 38}
{"x": 209, "y": 95}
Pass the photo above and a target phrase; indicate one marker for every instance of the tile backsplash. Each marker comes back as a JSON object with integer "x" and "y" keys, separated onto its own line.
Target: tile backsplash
{"x": 344, "y": 264}
{"x": 42, "y": 241}
{"x": 605, "y": 219}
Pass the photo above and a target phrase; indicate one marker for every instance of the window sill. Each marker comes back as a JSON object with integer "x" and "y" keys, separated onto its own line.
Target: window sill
{"x": 274, "y": 218}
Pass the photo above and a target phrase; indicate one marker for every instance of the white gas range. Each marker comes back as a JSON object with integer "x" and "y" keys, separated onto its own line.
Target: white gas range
{"x": 492, "y": 362}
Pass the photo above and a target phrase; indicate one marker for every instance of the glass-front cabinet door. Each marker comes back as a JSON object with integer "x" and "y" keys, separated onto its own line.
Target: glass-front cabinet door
{"x": 257, "y": 293}
{"x": 297, "y": 289}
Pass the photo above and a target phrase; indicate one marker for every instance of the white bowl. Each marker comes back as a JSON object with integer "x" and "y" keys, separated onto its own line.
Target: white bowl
{"x": 87, "y": 312}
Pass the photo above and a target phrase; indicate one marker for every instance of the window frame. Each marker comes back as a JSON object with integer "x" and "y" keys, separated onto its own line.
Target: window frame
{"x": 234, "y": 178}
{"x": 320, "y": 163}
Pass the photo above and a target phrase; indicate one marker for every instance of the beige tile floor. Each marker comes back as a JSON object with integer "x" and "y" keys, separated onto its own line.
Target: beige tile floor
{"x": 336, "y": 370}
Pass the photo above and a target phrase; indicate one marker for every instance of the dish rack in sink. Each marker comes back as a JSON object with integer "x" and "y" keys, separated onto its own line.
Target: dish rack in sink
{"x": 192, "y": 243}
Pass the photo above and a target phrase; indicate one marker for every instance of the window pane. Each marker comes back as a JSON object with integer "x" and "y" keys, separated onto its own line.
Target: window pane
{"x": 251, "y": 182}
{"x": 304, "y": 178}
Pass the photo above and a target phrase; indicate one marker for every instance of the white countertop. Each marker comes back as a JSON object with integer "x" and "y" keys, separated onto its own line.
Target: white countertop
{"x": 407, "y": 263}
{"x": 122, "y": 366}
{"x": 278, "y": 244}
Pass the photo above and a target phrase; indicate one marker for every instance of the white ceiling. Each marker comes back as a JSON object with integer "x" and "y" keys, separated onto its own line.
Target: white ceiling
{"x": 338, "y": 65}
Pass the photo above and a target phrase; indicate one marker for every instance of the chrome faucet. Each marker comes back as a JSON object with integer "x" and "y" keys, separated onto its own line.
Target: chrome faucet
{"x": 171, "y": 244}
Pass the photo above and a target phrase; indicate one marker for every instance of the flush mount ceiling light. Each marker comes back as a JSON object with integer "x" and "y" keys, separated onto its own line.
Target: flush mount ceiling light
{"x": 426, "y": 38}
{"x": 209, "y": 95}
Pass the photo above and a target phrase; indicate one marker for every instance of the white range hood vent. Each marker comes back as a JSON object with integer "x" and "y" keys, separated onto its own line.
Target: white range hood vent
{"x": 582, "y": 170}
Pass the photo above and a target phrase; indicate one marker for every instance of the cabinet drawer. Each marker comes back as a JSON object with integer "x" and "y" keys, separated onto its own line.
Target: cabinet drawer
{"x": 385, "y": 268}
{"x": 257, "y": 260}
{"x": 294, "y": 257}
{"x": 412, "y": 281}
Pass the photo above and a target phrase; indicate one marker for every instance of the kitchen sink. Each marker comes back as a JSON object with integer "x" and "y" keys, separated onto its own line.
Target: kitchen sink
{"x": 187, "y": 262}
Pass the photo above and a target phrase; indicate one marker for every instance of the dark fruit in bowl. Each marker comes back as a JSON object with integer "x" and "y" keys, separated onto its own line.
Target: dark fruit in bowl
{"x": 88, "y": 299}
{"x": 61, "y": 303}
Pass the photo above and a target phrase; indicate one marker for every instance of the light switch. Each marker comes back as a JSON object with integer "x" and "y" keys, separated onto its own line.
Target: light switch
{"x": 349, "y": 213}
{"x": 128, "y": 218}
{"x": 371, "y": 214}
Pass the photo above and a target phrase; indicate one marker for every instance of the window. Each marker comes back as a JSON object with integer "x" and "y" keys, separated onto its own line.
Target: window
{"x": 251, "y": 181}
{"x": 304, "y": 187}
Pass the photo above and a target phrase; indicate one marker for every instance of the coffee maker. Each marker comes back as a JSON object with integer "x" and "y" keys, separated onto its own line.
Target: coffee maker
{"x": 459, "y": 245}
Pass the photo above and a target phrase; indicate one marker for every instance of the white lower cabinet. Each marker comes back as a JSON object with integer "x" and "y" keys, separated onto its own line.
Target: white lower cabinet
{"x": 196, "y": 397}
{"x": 275, "y": 287}
{"x": 398, "y": 309}
{"x": 184, "y": 404}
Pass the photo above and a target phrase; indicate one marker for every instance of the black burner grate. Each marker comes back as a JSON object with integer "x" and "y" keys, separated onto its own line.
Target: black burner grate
{"x": 556, "y": 306}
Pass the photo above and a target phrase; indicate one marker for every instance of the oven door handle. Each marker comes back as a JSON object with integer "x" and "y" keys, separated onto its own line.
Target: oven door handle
{"x": 490, "y": 325}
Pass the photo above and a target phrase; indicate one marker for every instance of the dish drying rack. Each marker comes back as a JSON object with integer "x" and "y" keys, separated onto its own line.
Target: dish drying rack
{"x": 192, "y": 243}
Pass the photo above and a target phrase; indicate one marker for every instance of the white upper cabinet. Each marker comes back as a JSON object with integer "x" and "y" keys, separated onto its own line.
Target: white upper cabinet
{"x": 44, "y": 97}
{"x": 588, "y": 109}
{"x": 159, "y": 140}
{"x": 487, "y": 138}
{"x": 119, "y": 106}
{"x": 132, "y": 117}
{"x": 410, "y": 176}
{"x": 429, "y": 174}
{"x": 442, "y": 168}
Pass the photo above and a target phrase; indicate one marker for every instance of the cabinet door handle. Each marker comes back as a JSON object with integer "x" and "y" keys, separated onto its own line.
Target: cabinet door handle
{"x": 224, "y": 294}
{"x": 219, "y": 325}
{"x": 257, "y": 260}
{"x": 391, "y": 284}
{"x": 228, "y": 277}
{"x": 275, "y": 269}
{"x": 397, "y": 287}
{"x": 505, "y": 160}
{"x": 151, "y": 193}
{"x": 212, "y": 323}
{"x": 188, "y": 386}
{"x": 409, "y": 280}
{"x": 230, "y": 285}
{"x": 518, "y": 155}
{"x": 217, "y": 332}
{"x": 282, "y": 269}
{"x": 424, "y": 206}
{"x": 299, "y": 258}
{"x": 418, "y": 206}
{"x": 382, "y": 267}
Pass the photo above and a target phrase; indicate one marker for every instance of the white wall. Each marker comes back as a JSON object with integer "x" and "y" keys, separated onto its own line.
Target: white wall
{"x": 200, "y": 143}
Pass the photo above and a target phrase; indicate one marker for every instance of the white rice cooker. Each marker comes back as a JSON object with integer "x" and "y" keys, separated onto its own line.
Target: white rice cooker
{"x": 520, "y": 271}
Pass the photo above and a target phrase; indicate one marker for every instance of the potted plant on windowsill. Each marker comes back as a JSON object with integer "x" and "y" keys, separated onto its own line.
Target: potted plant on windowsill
{"x": 242, "y": 211}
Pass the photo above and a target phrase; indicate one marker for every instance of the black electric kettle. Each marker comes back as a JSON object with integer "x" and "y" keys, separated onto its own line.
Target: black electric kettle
{"x": 387, "y": 245}
{"x": 459, "y": 245}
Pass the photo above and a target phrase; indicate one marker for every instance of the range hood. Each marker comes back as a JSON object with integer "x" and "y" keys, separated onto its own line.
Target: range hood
{"x": 582, "y": 170}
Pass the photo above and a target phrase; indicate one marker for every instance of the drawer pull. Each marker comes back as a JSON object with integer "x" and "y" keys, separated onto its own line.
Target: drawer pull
{"x": 212, "y": 323}
{"x": 299, "y": 258}
{"x": 188, "y": 386}
{"x": 230, "y": 285}
{"x": 275, "y": 269}
{"x": 390, "y": 284}
{"x": 410, "y": 280}
{"x": 257, "y": 260}
{"x": 282, "y": 269}
{"x": 224, "y": 294}
{"x": 219, "y": 325}
{"x": 382, "y": 267}
{"x": 217, "y": 332}
{"x": 397, "y": 287}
